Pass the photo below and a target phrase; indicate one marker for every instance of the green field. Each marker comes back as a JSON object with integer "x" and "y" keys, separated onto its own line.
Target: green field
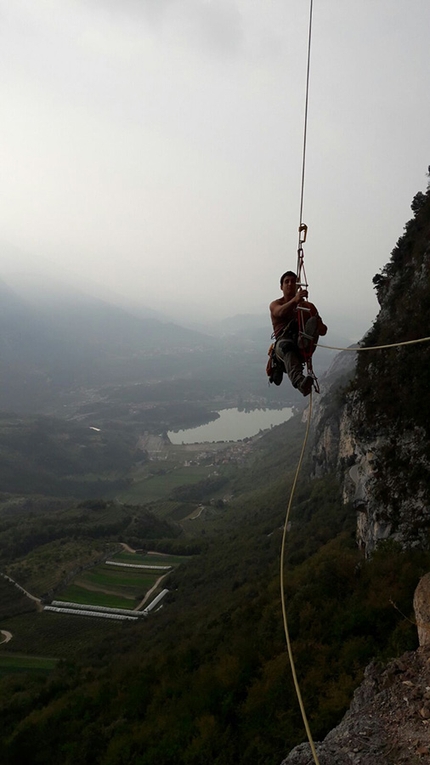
{"x": 122, "y": 580}
{"x": 76, "y": 594}
{"x": 12, "y": 663}
{"x": 117, "y": 587}
{"x": 160, "y": 486}
{"x": 110, "y": 586}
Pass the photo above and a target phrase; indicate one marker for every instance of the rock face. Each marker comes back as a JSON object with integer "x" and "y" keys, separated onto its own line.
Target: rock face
{"x": 388, "y": 722}
{"x": 372, "y": 423}
{"x": 384, "y": 474}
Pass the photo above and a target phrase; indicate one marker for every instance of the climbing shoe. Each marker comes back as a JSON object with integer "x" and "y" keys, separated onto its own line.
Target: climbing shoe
{"x": 277, "y": 374}
{"x": 306, "y": 385}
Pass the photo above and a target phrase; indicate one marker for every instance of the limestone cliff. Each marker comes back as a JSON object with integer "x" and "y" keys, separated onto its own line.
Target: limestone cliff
{"x": 371, "y": 423}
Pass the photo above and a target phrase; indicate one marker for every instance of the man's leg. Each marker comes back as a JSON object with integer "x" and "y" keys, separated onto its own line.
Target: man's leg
{"x": 308, "y": 339}
{"x": 285, "y": 350}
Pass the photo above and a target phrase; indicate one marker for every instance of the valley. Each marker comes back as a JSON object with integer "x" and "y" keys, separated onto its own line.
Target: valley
{"x": 90, "y": 479}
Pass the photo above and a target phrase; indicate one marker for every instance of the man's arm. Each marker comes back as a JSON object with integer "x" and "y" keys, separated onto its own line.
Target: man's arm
{"x": 282, "y": 310}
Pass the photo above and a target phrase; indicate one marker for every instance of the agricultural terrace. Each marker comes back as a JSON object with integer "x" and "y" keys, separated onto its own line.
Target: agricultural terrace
{"x": 120, "y": 587}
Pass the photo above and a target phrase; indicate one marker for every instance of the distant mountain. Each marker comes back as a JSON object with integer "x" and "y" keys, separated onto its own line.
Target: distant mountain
{"x": 70, "y": 339}
{"x": 57, "y": 343}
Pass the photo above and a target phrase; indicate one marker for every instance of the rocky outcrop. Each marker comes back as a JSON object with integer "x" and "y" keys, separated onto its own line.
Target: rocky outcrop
{"x": 384, "y": 475}
{"x": 333, "y": 443}
{"x": 375, "y": 434}
{"x": 388, "y": 722}
{"x": 422, "y": 610}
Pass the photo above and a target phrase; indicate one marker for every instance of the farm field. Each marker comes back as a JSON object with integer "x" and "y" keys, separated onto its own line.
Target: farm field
{"x": 109, "y": 586}
{"x": 77, "y": 594}
{"x": 157, "y": 487}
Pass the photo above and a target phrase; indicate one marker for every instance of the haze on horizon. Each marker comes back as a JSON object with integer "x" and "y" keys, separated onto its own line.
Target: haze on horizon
{"x": 151, "y": 152}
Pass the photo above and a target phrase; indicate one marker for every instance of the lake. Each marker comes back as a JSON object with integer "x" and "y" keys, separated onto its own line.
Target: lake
{"x": 232, "y": 425}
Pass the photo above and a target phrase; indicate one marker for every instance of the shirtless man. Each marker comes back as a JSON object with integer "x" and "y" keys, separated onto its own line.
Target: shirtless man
{"x": 283, "y": 313}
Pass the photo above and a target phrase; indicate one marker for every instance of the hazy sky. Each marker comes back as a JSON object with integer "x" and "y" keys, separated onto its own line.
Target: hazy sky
{"x": 154, "y": 146}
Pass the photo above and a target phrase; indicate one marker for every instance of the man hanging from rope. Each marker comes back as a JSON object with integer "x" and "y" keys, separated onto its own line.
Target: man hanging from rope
{"x": 292, "y": 346}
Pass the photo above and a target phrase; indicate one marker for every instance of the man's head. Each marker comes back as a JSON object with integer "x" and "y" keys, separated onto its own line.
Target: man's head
{"x": 290, "y": 275}
{"x": 289, "y": 285}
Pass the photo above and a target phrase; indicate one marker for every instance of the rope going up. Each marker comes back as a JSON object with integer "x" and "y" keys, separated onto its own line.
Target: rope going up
{"x": 300, "y": 269}
{"x": 305, "y": 121}
{"x": 301, "y": 281}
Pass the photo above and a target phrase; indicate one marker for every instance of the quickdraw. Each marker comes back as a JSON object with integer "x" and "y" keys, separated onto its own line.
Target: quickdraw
{"x": 306, "y": 342}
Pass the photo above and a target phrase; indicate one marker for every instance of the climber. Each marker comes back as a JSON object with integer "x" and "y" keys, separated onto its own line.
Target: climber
{"x": 293, "y": 347}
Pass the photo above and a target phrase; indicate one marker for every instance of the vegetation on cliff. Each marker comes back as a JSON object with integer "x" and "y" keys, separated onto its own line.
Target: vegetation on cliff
{"x": 394, "y": 383}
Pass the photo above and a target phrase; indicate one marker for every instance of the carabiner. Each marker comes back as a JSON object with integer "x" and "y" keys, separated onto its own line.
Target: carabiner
{"x": 303, "y": 230}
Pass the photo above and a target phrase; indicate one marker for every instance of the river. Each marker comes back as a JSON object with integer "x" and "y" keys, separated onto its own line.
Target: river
{"x": 232, "y": 425}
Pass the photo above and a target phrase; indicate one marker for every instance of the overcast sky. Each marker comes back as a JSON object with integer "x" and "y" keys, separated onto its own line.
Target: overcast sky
{"x": 154, "y": 146}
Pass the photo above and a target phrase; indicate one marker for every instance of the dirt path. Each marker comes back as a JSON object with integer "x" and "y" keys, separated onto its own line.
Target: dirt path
{"x": 32, "y": 597}
{"x": 127, "y": 547}
{"x": 25, "y": 592}
{"x": 154, "y": 552}
{"x": 7, "y": 636}
{"x": 149, "y": 593}
{"x": 149, "y": 552}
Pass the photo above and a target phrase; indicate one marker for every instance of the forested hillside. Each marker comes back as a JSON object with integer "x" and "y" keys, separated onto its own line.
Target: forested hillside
{"x": 208, "y": 678}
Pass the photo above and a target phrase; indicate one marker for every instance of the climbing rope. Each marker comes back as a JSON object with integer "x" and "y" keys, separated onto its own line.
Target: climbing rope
{"x": 305, "y": 121}
{"x": 303, "y": 229}
{"x": 301, "y": 282}
{"x": 376, "y": 347}
{"x": 284, "y": 611}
